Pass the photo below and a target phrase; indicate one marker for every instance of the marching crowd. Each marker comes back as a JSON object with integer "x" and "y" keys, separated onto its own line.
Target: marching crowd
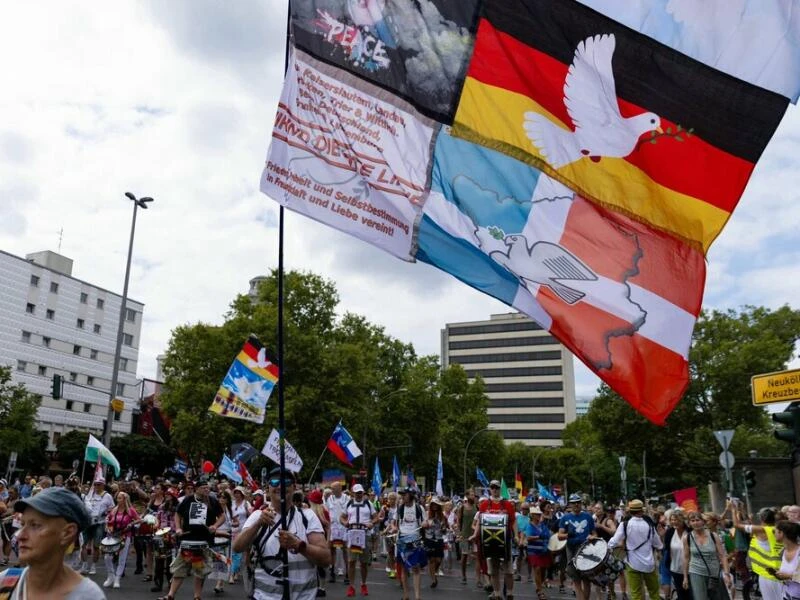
{"x": 215, "y": 530}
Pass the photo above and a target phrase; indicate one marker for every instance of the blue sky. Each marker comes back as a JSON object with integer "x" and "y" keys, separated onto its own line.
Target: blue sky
{"x": 176, "y": 101}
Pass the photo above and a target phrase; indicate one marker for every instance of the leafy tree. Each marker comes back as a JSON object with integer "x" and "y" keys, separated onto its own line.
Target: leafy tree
{"x": 72, "y": 446}
{"x": 18, "y": 425}
{"x": 142, "y": 453}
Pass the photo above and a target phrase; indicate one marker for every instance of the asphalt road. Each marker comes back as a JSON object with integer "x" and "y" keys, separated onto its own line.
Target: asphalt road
{"x": 380, "y": 588}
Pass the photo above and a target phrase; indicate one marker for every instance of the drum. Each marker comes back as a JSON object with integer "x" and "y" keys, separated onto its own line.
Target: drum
{"x": 220, "y": 562}
{"x": 194, "y": 548}
{"x": 110, "y": 545}
{"x": 556, "y": 545}
{"x": 493, "y": 535}
{"x": 147, "y": 527}
{"x": 162, "y": 541}
{"x": 590, "y": 559}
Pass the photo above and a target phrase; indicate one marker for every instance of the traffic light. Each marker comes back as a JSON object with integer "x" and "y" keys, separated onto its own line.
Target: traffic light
{"x": 750, "y": 479}
{"x": 791, "y": 418}
{"x": 58, "y": 383}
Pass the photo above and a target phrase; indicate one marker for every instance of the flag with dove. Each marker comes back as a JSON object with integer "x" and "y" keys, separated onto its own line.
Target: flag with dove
{"x": 246, "y": 388}
{"x": 562, "y": 157}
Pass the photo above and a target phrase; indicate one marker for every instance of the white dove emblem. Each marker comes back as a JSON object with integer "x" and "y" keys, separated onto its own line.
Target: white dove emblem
{"x": 262, "y": 362}
{"x": 580, "y": 526}
{"x": 546, "y": 264}
{"x": 590, "y": 97}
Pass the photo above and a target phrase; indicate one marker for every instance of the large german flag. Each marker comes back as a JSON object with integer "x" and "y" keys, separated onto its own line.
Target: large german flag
{"x": 620, "y": 118}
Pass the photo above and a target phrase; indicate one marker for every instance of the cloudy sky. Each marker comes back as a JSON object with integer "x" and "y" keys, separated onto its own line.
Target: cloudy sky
{"x": 175, "y": 100}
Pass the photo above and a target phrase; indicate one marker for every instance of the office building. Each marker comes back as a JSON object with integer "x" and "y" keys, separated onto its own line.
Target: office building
{"x": 582, "y": 405}
{"x": 528, "y": 375}
{"x": 52, "y": 323}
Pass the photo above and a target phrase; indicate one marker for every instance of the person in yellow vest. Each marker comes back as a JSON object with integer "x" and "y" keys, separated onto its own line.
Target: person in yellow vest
{"x": 764, "y": 553}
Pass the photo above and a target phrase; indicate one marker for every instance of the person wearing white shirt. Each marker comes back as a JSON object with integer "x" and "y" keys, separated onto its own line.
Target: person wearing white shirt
{"x": 98, "y": 503}
{"x": 639, "y": 537}
{"x": 336, "y": 504}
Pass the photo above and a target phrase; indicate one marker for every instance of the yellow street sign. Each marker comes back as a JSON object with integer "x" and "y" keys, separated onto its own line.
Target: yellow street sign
{"x": 117, "y": 404}
{"x": 782, "y": 386}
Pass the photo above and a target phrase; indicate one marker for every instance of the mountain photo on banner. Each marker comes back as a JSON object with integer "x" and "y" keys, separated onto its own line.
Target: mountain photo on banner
{"x": 619, "y": 118}
{"x": 621, "y": 296}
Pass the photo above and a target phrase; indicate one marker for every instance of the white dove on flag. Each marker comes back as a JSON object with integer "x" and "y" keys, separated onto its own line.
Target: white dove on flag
{"x": 590, "y": 97}
{"x": 262, "y": 361}
{"x": 546, "y": 264}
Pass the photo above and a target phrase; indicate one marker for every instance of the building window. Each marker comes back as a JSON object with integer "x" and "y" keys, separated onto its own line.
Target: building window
{"x": 56, "y": 437}
{"x": 130, "y": 315}
{"x": 100, "y": 303}
{"x": 93, "y": 354}
{"x": 69, "y": 404}
{"x": 96, "y": 328}
{"x": 120, "y": 389}
{"x": 73, "y": 377}
{"x": 127, "y": 339}
{"x": 53, "y": 287}
{"x": 87, "y": 407}
{"x": 84, "y": 297}
{"x": 117, "y": 416}
{"x": 80, "y": 323}
{"x": 89, "y": 380}
{"x": 123, "y": 364}
{"x": 76, "y": 350}
{"x": 42, "y": 370}
{"x": 30, "y": 308}
{"x": 35, "y": 280}
{"x": 26, "y": 336}
{"x": 50, "y": 314}
{"x": 22, "y": 365}
{"x": 45, "y": 341}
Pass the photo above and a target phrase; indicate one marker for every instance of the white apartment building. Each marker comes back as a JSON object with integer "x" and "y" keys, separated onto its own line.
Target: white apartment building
{"x": 528, "y": 375}
{"x": 52, "y": 323}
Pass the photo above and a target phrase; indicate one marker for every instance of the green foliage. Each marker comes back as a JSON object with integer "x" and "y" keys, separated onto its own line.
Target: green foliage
{"x": 18, "y": 425}
{"x": 142, "y": 453}
{"x": 334, "y": 368}
{"x": 72, "y": 446}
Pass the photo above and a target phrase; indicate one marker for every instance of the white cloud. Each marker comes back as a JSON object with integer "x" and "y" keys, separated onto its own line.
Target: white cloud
{"x": 176, "y": 101}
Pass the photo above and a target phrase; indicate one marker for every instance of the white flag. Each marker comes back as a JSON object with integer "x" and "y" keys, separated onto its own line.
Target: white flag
{"x": 272, "y": 450}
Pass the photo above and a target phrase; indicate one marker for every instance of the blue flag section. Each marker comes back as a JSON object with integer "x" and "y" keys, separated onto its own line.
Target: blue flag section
{"x": 395, "y": 474}
{"x": 377, "y": 482}
{"x": 410, "y": 481}
{"x": 230, "y": 469}
{"x": 545, "y": 493}
{"x": 481, "y": 477}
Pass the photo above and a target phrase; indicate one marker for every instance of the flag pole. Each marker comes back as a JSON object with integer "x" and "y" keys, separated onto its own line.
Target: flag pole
{"x": 281, "y": 416}
{"x": 310, "y": 479}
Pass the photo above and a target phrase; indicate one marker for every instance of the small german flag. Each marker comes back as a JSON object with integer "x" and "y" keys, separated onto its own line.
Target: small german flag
{"x": 618, "y": 117}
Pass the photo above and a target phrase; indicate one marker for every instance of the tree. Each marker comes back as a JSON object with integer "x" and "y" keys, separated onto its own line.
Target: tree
{"x": 142, "y": 453}
{"x": 18, "y": 425}
{"x": 72, "y": 446}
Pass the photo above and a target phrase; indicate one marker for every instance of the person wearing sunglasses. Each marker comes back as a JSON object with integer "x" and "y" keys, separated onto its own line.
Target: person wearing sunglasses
{"x": 303, "y": 539}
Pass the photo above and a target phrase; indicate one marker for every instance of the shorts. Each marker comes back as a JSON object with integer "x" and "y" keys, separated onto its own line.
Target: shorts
{"x": 94, "y": 533}
{"x": 361, "y": 555}
{"x": 411, "y": 555}
{"x": 434, "y": 548}
{"x": 467, "y": 547}
{"x": 192, "y": 562}
{"x": 542, "y": 561}
{"x": 499, "y": 566}
{"x": 572, "y": 572}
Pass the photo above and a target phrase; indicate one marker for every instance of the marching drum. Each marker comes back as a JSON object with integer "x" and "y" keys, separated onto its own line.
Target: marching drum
{"x": 110, "y": 545}
{"x": 195, "y": 548}
{"x": 595, "y": 562}
{"x": 493, "y": 535}
{"x": 220, "y": 558}
{"x": 162, "y": 541}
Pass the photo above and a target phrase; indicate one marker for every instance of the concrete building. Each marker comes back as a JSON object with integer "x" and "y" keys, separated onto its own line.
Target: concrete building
{"x": 582, "y": 405}
{"x": 528, "y": 374}
{"x": 52, "y": 323}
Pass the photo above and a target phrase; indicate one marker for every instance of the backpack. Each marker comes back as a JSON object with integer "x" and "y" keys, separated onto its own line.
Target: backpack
{"x": 255, "y": 557}
{"x": 366, "y": 503}
{"x": 401, "y": 510}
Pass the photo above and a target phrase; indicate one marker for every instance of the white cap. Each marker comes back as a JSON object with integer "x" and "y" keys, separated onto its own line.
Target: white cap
{"x": 358, "y": 488}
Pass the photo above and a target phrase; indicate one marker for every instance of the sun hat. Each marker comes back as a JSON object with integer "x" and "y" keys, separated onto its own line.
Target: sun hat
{"x": 494, "y": 482}
{"x": 635, "y": 505}
{"x": 575, "y": 498}
{"x": 535, "y": 510}
{"x": 57, "y": 502}
{"x": 358, "y": 488}
{"x": 437, "y": 500}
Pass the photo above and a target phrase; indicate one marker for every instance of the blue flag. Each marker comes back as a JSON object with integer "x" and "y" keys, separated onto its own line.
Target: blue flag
{"x": 439, "y": 475}
{"x": 410, "y": 481}
{"x": 395, "y": 474}
{"x": 481, "y": 477}
{"x": 229, "y": 468}
{"x": 545, "y": 493}
{"x": 377, "y": 483}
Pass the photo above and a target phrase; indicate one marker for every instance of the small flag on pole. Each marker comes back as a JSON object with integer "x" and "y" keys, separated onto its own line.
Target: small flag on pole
{"x": 342, "y": 445}
{"x": 439, "y": 475}
{"x": 395, "y": 474}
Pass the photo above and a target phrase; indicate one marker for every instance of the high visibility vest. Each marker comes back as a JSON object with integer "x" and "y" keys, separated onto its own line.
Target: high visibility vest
{"x": 760, "y": 559}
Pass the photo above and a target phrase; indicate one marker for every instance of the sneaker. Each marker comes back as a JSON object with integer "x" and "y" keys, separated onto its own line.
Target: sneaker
{"x": 93, "y": 570}
{"x": 562, "y": 589}
{"x": 388, "y": 570}
{"x": 440, "y": 573}
{"x": 351, "y": 591}
{"x": 109, "y": 580}
{"x": 84, "y": 570}
{"x": 364, "y": 590}
{"x": 392, "y": 574}
{"x": 517, "y": 577}
{"x": 116, "y": 583}
{"x": 339, "y": 572}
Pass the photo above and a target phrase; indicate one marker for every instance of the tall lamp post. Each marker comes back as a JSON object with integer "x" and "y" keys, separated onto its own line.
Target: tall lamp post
{"x": 466, "y": 449}
{"x": 381, "y": 399}
{"x": 137, "y": 203}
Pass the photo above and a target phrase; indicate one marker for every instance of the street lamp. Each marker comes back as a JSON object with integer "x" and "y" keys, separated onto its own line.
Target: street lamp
{"x": 466, "y": 449}
{"x": 137, "y": 203}
{"x": 378, "y": 401}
